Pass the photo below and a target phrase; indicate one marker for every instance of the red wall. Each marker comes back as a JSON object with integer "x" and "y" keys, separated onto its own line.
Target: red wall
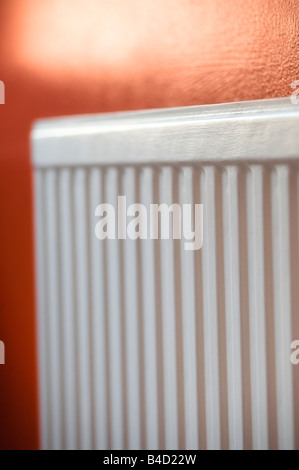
{"x": 61, "y": 57}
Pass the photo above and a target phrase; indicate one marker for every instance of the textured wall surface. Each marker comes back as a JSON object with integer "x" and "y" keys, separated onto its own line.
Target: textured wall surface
{"x": 60, "y": 57}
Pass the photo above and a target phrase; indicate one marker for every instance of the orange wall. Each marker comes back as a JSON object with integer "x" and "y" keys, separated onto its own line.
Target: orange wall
{"x": 62, "y": 57}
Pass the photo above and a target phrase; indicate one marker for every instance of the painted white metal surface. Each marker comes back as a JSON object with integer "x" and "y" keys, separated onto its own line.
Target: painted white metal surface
{"x": 256, "y": 287}
{"x": 188, "y": 320}
{"x": 117, "y": 322}
{"x": 282, "y": 300}
{"x": 168, "y": 320}
{"x": 210, "y": 309}
{"x": 150, "y": 376}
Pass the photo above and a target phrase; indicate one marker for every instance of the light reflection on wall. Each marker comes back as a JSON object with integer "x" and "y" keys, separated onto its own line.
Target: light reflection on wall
{"x": 204, "y": 51}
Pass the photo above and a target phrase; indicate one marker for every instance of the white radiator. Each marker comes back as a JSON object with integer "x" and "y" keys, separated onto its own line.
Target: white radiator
{"x": 143, "y": 344}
